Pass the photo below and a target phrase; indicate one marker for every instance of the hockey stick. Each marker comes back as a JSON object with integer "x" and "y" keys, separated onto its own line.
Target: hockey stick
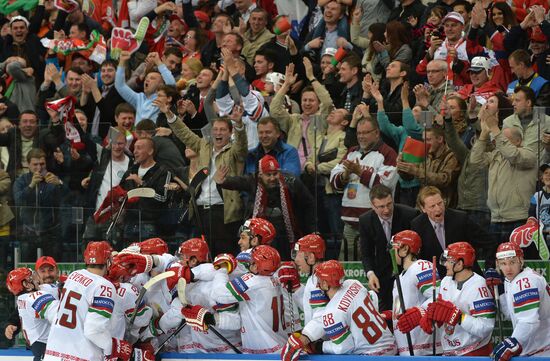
{"x": 146, "y": 287}
{"x": 197, "y": 180}
{"x": 133, "y": 193}
{"x": 434, "y": 285}
{"x": 226, "y": 341}
{"x": 181, "y": 296}
{"x": 395, "y": 272}
{"x": 499, "y": 313}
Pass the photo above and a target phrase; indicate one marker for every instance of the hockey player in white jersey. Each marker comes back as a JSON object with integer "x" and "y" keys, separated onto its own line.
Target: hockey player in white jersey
{"x": 526, "y": 302}
{"x": 260, "y": 301}
{"x": 82, "y": 327}
{"x": 417, "y": 286}
{"x": 309, "y": 251}
{"x": 465, "y": 307}
{"x": 350, "y": 319}
{"x": 253, "y": 232}
{"x": 36, "y": 308}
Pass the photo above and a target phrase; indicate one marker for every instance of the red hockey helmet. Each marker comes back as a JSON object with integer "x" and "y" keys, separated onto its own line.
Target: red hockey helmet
{"x": 266, "y": 259}
{"x": 407, "y": 238}
{"x": 261, "y": 228}
{"x": 15, "y": 279}
{"x": 311, "y": 243}
{"x": 153, "y": 246}
{"x": 330, "y": 271}
{"x": 116, "y": 272}
{"x": 195, "y": 247}
{"x": 97, "y": 253}
{"x": 509, "y": 249}
{"x": 460, "y": 250}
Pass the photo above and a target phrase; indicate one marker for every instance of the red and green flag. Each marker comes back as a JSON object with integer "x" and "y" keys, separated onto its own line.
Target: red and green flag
{"x": 414, "y": 151}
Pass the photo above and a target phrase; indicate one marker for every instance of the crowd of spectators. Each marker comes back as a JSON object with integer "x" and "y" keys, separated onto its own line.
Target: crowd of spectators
{"x": 228, "y": 113}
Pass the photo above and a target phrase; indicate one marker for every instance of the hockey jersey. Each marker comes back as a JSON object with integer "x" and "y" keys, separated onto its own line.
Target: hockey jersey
{"x": 477, "y": 304}
{"x": 261, "y": 308}
{"x": 416, "y": 283}
{"x": 313, "y": 303}
{"x": 354, "y": 326}
{"x": 37, "y": 311}
{"x": 526, "y": 301}
{"x": 125, "y": 303}
{"x": 82, "y": 326}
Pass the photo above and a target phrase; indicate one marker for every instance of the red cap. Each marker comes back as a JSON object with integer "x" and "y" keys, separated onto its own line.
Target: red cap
{"x": 537, "y": 35}
{"x": 45, "y": 260}
{"x": 175, "y": 17}
{"x": 202, "y": 16}
{"x": 269, "y": 164}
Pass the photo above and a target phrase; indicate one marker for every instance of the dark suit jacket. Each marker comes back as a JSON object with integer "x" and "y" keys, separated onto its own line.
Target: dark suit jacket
{"x": 374, "y": 247}
{"x": 458, "y": 228}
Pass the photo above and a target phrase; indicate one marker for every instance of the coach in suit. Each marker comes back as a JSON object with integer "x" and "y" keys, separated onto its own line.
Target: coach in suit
{"x": 375, "y": 230}
{"x": 438, "y": 227}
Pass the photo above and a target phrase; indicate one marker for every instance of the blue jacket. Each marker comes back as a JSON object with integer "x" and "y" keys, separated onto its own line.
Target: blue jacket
{"x": 286, "y": 155}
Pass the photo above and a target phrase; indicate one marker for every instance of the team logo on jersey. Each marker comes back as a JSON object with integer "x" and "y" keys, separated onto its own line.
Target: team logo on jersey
{"x": 449, "y": 330}
{"x": 42, "y": 303}
{"x": 351, "y": 191}
{"x": 318, "y": 299}
{"x": 484, "y": 308}
{"x": 102, "y": 305}
{"x": 238, "y": 288}
{"x": 337, "y": 333}
{"x": 526, "y": 300}
{"x": 424, "y": 280}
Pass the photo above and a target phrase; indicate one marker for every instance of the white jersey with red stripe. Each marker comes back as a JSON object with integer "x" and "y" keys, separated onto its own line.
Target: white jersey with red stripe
{"x": 261, "y": 308}
{"x": 228, "y": 319}
{"x": 125, "y": 303}
{"x": 37, "y": 311}
{"x": 354, "y": 326}
{"x": 416, "y": 283}
{"x": 170, "y": 321}
{"x": 526, "y": 301}
{"x": 81, "y": 331}
{"x": 313, "y": 302}
{"x": 477, "y": 304}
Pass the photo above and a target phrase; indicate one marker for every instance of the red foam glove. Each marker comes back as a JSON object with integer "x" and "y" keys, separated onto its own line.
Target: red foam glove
{"x": 387, "y": 314}
{"x": 180, "y": 271}
{"x": 135, "y": 263}
{"x": 446, "y": 312}
{"x": 198, "y": 316}
{"x": 410, "y": 319}
{"x": 292, "y": 349}
{"x": 121, "y": 349}
{"x": 288, "y": 275}
{"x": 110, "y": 205}
{"x": 226, "y": 260}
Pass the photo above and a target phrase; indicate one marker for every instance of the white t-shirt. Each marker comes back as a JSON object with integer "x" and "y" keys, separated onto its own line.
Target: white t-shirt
{"x": 142, "y": 171}
{"x": 115, "y": 169}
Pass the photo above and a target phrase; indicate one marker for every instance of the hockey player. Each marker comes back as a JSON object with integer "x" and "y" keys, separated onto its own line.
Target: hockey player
{"x": 82, "y": 327}
{"x": 465, "y": 306}
{"x": 416, "y": 284}
{"x": 198, "y": 338}
{"x": 350, "y": 319}
{"x": 36, "y": 308}
{"x": 260, "y": 301}
{"x": 526, "y": 302}
{"x": 309, "y": 251}
{"x": 254, "y": 232}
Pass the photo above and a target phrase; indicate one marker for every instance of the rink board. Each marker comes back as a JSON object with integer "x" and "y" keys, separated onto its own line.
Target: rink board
{"x": 23, "y": 355}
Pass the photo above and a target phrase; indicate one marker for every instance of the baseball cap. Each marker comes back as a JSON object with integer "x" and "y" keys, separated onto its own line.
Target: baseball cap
{"x": 45, "y": 260}
{"x": 480, "y": 63}
{"x": 454, "y": 16}
{"x": 329, "y": 51}
{"x": 544, "y": 167}
{"x": 19, "y": 18}
{"x": 275, "y": 78}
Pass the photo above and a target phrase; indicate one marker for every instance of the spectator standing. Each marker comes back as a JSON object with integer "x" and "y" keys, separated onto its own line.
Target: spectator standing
{"x": 256, "y": 35}
{"x": 219, "y": 213}
{"x": 522, "y": 68}
{"x": 371, "y": 162}
{"x": 376, "y": 228}
{"x": 350, "y": 76}
{"x": 6, "y": 216}
{"x": 37, "y": 195}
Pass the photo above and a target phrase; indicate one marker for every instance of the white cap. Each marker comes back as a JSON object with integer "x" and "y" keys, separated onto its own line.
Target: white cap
{"x": 329, "y": 51}
{"x": 275, "y": 78}
{"x": 454, "y": 16}
{"x": 19, "y": 18}
{"x": 480, "y": 63}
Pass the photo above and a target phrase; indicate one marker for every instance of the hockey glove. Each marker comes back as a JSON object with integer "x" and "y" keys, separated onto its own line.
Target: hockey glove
{"x": 445, "y": 311}
{"x": 292, "y": 349}
{"x": 288, "y": 275}
{"x": 180, "y": 271}
{"x": 425, "y": 324}
{"x": 143, "y": 355}
{"x": 505, "y": 350}
{"x": 198, "y": 316}
{"x": 387, "y": 315}
{"x": 225, "y": 260}
{"x": 121, "y": 349}
{"x": 135, "y": 263}
{"x": 493, "y": 278}
{"x": 410, "y": 319}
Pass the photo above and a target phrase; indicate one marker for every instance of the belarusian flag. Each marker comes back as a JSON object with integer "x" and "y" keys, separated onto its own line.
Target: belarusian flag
{"x": 414, "y": 151}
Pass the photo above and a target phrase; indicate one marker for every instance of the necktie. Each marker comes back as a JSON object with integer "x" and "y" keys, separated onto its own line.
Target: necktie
{"x": 387, "y": 229}
{"x": 440, "y": 233}
{"x": 201, "y": 104}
